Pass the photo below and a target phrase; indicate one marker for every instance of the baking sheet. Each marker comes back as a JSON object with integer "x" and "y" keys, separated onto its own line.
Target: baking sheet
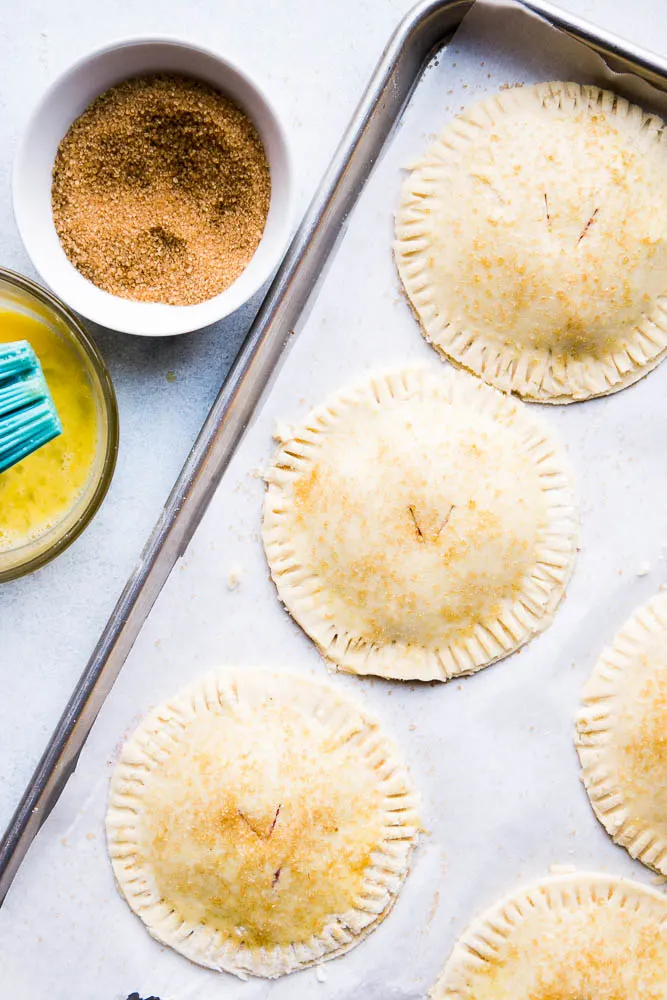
{"x": 492, "y": 754}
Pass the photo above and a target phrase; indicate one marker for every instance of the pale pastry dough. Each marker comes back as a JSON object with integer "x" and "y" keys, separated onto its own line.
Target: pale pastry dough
{"x": 420, "y": 525}
{"x": 259, "y": 822}
{"x": 568, "y": 937}
{"x": 531, "y": 240}
{"x": 622, "y": 736}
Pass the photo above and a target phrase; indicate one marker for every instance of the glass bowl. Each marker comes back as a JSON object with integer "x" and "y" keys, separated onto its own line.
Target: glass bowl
{"x": 19, "y": 293}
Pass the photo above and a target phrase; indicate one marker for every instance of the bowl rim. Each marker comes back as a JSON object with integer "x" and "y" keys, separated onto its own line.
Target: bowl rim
{"x": 183, "y": 319}
{"x": 110, "y": 406}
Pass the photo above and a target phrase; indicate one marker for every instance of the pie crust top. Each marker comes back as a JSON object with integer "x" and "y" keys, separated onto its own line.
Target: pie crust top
{"x": 260, "y": 822}
{"x": 622, "y": 736}
{"x": 420, "y": 525}
{"x": 568, "y": 937}
{"x": 531, "y": 240}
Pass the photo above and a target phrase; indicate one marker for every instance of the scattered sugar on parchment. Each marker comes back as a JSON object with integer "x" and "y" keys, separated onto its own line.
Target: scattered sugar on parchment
{"x": 234, "y": 577}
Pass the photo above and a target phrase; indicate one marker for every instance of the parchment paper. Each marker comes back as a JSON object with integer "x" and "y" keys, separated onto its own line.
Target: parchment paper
{"x": 492, "y": 754}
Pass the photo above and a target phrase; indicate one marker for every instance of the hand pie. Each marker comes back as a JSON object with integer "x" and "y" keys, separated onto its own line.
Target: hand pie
{"x": 622, "y": 736}
{"x": 531, "y": 240}
{"x": 259, "y": 822}
{"x": 420, "y": 525}
{"x": 574, "y": 937}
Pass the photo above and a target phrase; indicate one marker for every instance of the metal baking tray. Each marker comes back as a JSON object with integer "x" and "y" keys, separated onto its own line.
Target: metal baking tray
{"x": 427, "y": 28}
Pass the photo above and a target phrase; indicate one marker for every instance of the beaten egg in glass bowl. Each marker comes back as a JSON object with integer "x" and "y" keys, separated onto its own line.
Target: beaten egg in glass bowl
{"x": 48, "y": 499}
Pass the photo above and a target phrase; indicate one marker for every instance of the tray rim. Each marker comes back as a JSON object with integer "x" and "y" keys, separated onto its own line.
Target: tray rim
{"x": 263, "y": 350}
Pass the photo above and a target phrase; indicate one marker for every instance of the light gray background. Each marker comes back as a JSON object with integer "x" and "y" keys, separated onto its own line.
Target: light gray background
{"x": 314, "y": 57}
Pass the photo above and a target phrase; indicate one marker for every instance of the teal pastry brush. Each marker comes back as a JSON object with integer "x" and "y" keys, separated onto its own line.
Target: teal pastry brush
{"x": 28, "y": 416}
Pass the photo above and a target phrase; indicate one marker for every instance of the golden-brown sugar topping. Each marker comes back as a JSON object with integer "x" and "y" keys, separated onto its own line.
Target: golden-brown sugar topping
{"x": 416, "y": 515}
{"x": 594, "y": 962}
{"x": 643, "y": 743}
{"x": 622, "y": 735}
{"x": 259, "y": 822}
{"x": 426, "y": 537}
{"x": 257, "y": 839}
{"x": 576, "y": 937}
{"x": 595, "y": 959}
{"x": 532, "y": 241}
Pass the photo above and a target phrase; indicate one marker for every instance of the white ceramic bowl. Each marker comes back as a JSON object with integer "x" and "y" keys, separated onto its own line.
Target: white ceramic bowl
{"x": 63, "y": 102}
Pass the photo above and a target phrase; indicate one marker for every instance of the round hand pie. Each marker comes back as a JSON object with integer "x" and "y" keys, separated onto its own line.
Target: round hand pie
{"x": 259, "y": 823}
{"x": 574, "y": 937}
{"x": 420, "y": 526}
{"x": 622, "y": 736}
{"x": 531, "y": 240}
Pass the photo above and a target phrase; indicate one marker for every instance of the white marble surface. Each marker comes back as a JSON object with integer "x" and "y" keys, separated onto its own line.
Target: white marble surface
{"x": 314, "y": 56}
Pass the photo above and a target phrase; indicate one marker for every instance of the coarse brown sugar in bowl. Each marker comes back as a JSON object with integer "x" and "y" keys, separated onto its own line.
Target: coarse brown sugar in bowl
{"x": 161, "y": 190}
{"x": 48, "y": 498}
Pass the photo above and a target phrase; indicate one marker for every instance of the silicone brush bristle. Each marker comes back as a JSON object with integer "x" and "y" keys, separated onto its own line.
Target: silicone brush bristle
{"x": 20, "y": 392}
{"x": 17, "y": 359}
{"x": 28, "y": 416}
